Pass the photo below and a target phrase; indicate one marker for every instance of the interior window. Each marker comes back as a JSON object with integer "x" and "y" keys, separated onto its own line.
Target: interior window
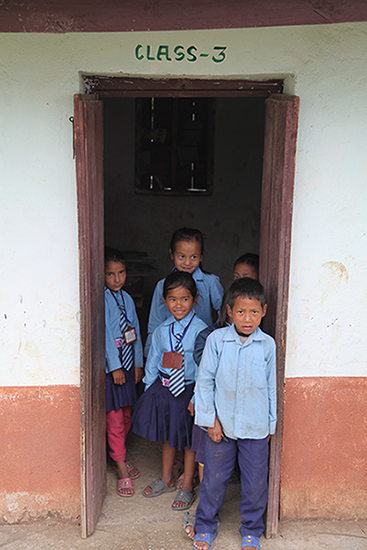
{"x": 174, "y": 148}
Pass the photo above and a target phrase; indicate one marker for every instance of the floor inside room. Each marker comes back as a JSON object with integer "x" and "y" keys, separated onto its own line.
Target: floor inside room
{"x": 151, "y": 524}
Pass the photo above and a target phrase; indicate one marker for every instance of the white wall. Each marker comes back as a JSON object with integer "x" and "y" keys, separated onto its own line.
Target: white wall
{"x": 324, "y": 65}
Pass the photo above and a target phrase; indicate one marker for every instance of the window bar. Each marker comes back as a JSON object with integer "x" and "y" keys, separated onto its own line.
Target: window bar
{"x": 151, "y": 177}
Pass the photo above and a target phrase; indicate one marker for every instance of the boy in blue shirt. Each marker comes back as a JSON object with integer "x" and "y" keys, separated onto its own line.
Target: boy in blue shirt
{"x": 235, "y": 398}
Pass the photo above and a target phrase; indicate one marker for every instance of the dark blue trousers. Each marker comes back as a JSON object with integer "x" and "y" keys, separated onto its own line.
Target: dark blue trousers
{"x": 220, "y": 459}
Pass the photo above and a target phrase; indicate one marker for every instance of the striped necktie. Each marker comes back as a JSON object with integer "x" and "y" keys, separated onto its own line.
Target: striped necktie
{"x": 126, "y": 350}
{"x": 177, "y": 376}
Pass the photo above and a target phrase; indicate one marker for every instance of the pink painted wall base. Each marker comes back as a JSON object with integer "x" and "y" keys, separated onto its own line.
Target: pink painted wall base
{"x": 40, "y": 459}
{"x": 324, "y": 466}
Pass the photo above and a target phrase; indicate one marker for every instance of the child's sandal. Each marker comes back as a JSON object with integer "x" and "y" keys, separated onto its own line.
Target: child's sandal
{"x": 204, "y": 537}
{"x": 132, "y": 470}
{"x": 189, "y": 521}
{"x": 123, "y": 485}
{"x": 250, "y": 541}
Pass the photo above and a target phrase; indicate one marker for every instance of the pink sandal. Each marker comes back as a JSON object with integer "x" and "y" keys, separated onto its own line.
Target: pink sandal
{"x": 132, "y": 470}
{"x": 195, "y": 480}
{"x": 124, "y": 484}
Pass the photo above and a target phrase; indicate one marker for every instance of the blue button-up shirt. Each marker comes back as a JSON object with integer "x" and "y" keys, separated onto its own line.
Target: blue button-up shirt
{"x": 161, "y": 343}
{"x": 113, "y": 330}
{"x": 210, "y": 293}
{"x": 237, "y": 383}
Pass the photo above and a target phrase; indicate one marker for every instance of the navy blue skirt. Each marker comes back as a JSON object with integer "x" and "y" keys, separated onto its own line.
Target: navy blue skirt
{"x": 198, "y": 443}
{"x": 117, "y": 395}
{"x": 159, "y": 416}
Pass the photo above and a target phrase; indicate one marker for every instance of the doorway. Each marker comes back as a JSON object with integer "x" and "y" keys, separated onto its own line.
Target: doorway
{"x": 225, "y": 206}
{"x": 281, "y": 116}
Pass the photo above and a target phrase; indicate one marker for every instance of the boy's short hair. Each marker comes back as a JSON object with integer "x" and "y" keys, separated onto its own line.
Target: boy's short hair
{"x": 246, "y": 288}
{"x": 113, "y": 255}
{"x": 179, "y": 278}
{"x": 250, "y": 259}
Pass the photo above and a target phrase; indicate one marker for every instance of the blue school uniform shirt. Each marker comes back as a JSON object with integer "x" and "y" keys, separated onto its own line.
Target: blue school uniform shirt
{"x": 237, "y": 382}
{"x": 113, "y": 330}
{"x": 161, "y": 343}
{"x": 210, "y": 294}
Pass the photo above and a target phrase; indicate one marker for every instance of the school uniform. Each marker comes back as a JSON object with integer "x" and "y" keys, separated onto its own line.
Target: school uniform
{"x": 120, "y": 398}
{"x": 159, "y": 415}
{"x": 199, "y": 435}
{"x": 210, "y": 294}
{"x": 237, "y": 383}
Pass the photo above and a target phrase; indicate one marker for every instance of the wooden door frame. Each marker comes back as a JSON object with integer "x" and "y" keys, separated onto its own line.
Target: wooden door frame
{"x": 120, "y": 87}
{"x": 280, "y": 141}
{"x": 88, "y": 146}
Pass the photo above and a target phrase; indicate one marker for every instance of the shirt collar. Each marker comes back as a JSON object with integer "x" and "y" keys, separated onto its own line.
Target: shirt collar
{"x": 179, "y": 324}
{"x": 231, "y": 335}
{"x": 198, "y": 275}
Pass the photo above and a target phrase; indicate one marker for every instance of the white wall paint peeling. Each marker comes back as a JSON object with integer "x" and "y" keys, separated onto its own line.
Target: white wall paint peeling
{"x": 324, "y": 65}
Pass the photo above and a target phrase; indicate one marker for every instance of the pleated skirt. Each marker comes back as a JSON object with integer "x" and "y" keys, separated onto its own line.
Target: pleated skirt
{"x": 159, "y": 416}
{"x": 117, "y": 395}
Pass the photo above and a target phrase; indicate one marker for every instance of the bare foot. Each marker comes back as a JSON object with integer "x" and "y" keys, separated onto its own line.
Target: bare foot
{"x": 149, "y": 489}
{"x": 189, "y": 524}
{"x": 122, "y": 472}
{"x": 195, "y": 481}
{"x": 180, "y": 481}
{"x": 177, "y": 469}
{"x": 183, "y": 499}
{"x": 132, "y": 470}
{"x": 190, "y": 532}
{"x": 200, "y": 545}
{"x": 125, "y": 488}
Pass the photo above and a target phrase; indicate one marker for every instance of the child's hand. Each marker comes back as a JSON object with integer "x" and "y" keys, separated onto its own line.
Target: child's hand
{"x": 138, "y": 374}
{"x": 190, "y": 408}
{"x": 216, "y": 433}
{"x": 118, "y": 376}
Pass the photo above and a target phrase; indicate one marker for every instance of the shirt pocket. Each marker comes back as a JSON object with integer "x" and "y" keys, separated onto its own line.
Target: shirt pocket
{"x": 258, "y": 374}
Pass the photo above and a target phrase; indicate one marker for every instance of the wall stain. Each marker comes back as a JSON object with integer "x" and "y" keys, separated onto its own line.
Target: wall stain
{"x": 332, "y": 276}
{"x": 336, "y": 272}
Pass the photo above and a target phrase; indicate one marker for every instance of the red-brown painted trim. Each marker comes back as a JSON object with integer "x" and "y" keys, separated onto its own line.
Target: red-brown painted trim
{"x": 324, "y": 466}
{"x": 63, "y": 16}
{"x": 39, "y": 459}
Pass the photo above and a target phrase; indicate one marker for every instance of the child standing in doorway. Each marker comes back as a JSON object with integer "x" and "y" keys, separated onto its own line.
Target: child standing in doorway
{"x": 186, "y": 250}
{"x": 124, "y": 362}
{"x": 238, "y": 360}
{"x": 170, "y": 373}
{"x": 246, "y": 265}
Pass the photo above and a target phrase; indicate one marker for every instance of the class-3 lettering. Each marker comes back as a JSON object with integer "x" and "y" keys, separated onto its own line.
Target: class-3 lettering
{"x": 179, "y": 53}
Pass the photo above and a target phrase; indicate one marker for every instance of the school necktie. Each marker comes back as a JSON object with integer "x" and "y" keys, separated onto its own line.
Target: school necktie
{"x": 177, "y": 376}
{"x": 126, "y": 350}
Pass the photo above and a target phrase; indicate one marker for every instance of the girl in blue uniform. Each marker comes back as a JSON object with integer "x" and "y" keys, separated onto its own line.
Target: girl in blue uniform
{"x": 186, "y": 250}
{"x": 124, "y": 362}
{"x": 161, "y": 413}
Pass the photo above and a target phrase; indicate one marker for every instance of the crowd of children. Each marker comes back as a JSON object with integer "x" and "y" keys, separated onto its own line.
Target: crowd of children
{"x": 210, "y": 389}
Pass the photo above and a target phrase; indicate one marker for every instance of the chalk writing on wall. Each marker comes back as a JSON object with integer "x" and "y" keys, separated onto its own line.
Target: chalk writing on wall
{"x": 163, "y": 52}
